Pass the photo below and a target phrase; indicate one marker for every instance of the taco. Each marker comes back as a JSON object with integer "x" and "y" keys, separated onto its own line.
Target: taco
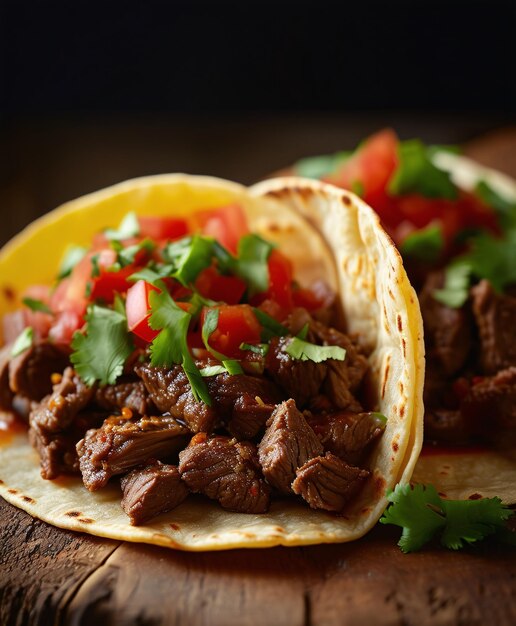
{"x": 236, "y": 367}
{"x": 454, "y": 223}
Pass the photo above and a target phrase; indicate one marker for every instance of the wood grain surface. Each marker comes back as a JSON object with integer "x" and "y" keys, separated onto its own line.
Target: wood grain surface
{"x": 55, "y": 577}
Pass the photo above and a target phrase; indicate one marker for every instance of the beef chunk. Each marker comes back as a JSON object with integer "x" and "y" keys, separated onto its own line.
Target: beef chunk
{"x": 130, "y": 394}
{"x": 304, "y": 380}
{"x": 491, "y": 403}
{"x": 448, "y": 332}
{"x": 327, "y": 482}
{"x": 301, "y": 380}
{"x": 347, "y": 435}
{"x": 56, "y": 450}
{"x": 150, "y": 491}
{"x": 170, "y": 391}
{"x": 288, "y": 443}
{"x": 57, "y": 411}
{"x": 6, "y": 394}
{"x": 122, "y": 444}
{"x": 30, "y": 371}
{"x": 227, "y": 471}
{"x": 243, "y": 402}
{"x": 495, "y": 316}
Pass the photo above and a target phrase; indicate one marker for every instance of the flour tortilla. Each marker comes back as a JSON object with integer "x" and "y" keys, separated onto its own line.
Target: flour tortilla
{"x": 327, "y": 233}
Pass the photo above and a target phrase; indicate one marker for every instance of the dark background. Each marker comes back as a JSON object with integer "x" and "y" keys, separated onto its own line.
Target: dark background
{"x": 92, "y": 93}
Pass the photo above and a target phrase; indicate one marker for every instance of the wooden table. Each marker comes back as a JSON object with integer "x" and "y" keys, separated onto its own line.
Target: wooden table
{"x": 51, "y": 576}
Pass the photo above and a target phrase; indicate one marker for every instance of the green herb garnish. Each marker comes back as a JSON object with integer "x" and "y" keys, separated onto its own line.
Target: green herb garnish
{"x": 422, "y": 514}
{"x": 128, "y": 228}
{"x": 270, "y": 327}
{"x": 101, "y": 352}
{"x": 425, "y": 244}
{"x": 72, "y": 256}
{"x": 319, "y": 166}
{"x": 302, "y": 350}
{"x": 37, "y": 305}
{"x": 23, "y": 341}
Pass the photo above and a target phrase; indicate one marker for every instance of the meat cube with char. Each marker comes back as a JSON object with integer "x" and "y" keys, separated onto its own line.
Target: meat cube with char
{"x": 288, "y": 443}
{"x": 30, "y": 372}
{"x": 227, "y": 471}
{"x": 150, "y": 491}
{"x": 448, "y": 332}
{"x": 55, "y": 426}
{"x": 57, "y": 450}
{"x": 301, "y": 380}
{"x": 244, "y": 403}
{"x": 347, "y": 435}
{"x": 57, "y": 411}
{"x": 171, "y": 392}
{"x": 121, "y": 444}
{"x": 495, "y": 315}
{"x": 125, "y": 393}
{"x": 327, "y": 482}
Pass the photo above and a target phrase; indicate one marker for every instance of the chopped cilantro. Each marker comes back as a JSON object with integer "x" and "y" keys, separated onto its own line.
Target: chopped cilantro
{"x": 126, "y": 256}
{"x": 23, "y": 341}
{"x": 319, "y": 166}
{"x": 504, "y": 208}
{"x": 457, "y": 279}
{"x": 152, "y": 273}
{"x": 262, "y": 348}
{"x": 232, "y": 366}
{"x": 72, "y": 256}
{"x": 170, "y": 346}
{"x": 270, "y": 327}
{"x": 101, "y": 352}
{"x": 422, "y": 513}
{"x": 189, "y": 257}
{"x": 253, "y": 254}
{"x": 36, "y": 305}
{"x": 95, "y": 269}
{"x": 129, "y": 227}
{"x": 212, "y": 370}
{"x": 304, "y": 351}
{"x": 417, "y": 174}
{"x": 425, "y": 244}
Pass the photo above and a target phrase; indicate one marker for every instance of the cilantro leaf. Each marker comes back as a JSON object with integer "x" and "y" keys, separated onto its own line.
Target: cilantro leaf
{"x": 170, "y": 346}
{"x": 417, "y": 174}
{"x": 72, "y": 256}
{"x": 128, "y": 227}
{"x": 418, "y": 511}
{"x": 23, "y": 341}
{"x": 152, "y": 273}
{"x": 212, "y": 370}
{"x": 36, "y": 305}
{"x": 470, "y": 520}
{"x": 302, "y": 350}
{"x": 126, "y": 256}
{"x": 457, "y": 279}
{"x": 319, "y": 166}
{"x": 253, "y": 254}
{"x": 425, "y": 244}
{"x": 189, "y": 256}
{"x": 262, "y": 348}
{"x": 232, "y": 367}
{"x": 101, "y": 352}
{"x": 505, "y": 209}
{"x": 422, "y": 513}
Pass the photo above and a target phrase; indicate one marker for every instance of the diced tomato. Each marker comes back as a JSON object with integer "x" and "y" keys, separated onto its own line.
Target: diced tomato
{"x": 159, "y": 228}
{"x": 212, "y": 285}
{"x": 370, "y": 167}
{"x": 237, "y": 324}
{"x": 280, "y": 280}
{"x": 105, "y": 286}
{"x": 64, "y": 326}
{"x": 307, "y": 299}
{"x": 137, "y": 310}
{"x": 226, "y": 225}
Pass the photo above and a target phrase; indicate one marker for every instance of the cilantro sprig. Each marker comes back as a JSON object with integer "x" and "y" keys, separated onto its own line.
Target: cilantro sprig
{"x": 302, "y": 350}
{"x": 425, "y": 244}
{"x": 100, "y": 353}
{"x": 23, "y": 341}
{"x": 36, "y": 305}
{"x": 170, "y": 346}
{"x": 423, "y": 514}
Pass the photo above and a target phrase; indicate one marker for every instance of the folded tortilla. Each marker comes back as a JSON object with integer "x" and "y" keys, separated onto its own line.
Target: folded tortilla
{"x": 327, "y": 233}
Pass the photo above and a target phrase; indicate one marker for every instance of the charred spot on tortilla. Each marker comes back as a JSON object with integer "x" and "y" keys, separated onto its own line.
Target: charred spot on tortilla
{"x": 475, "y": 496}
{"x": 28, "y": 499}
{"x": 73, "y": 513}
